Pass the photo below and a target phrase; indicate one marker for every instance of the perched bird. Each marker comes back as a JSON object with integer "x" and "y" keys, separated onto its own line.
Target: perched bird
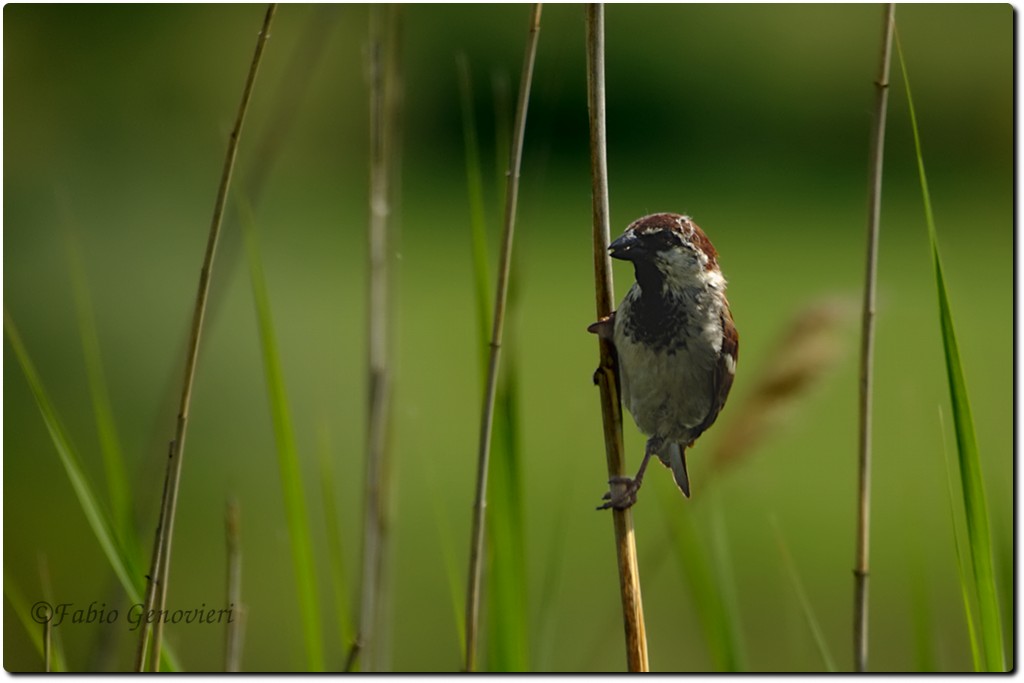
{"x": 676, "y": 342}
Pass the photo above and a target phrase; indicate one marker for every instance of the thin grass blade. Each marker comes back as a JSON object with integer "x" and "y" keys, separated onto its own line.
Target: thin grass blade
{"x": 287, "y": 455}
{"x": 805, "y": 603}
{"x": 508, "y": 632}
{"x": 705, "y": 584}
{"x": 972, "y": 487}
{"x": 335, "y": 547}
{"x": 721, "y": 561}
{"x": 31, "y": 619}
{"x": 963, "y": 567}
{"x": 477, "y": 212}
{"x": 118, "y": 485}
{"x": 55, "y": 657}
{"x": 120, "y": 561}
{"x": 87, "y": 499}
{"x": 507, "y": 488}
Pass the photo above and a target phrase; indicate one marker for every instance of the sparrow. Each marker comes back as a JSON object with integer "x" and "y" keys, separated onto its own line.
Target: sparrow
{"x": 676, "y": 342}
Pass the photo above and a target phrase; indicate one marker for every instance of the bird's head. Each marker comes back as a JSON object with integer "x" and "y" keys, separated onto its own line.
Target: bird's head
{"x": 669, "y": 250}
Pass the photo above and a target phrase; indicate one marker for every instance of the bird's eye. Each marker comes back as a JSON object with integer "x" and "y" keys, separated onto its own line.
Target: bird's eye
{"x": 663, "y": 240}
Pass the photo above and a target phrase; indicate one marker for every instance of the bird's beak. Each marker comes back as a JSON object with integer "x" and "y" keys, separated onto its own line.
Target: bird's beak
{"x": 624, "y": 247}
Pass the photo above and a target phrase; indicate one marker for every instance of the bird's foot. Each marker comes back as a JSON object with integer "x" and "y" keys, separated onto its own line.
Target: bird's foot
{"x": 624, "y": 497}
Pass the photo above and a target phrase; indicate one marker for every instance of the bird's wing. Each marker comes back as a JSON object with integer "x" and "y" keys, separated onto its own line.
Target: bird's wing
{"x": 724, "y": 371}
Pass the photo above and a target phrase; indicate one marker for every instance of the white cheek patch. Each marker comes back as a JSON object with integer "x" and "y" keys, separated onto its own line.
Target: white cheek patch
{"x": 684, "y": 268}
{"x": 681, "y": 269}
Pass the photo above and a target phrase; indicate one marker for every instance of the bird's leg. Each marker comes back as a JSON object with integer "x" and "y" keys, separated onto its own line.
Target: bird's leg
{"x": 627, "y": 497}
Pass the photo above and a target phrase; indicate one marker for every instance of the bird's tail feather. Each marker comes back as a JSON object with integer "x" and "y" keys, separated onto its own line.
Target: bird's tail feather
{"x": 677, "y": 462}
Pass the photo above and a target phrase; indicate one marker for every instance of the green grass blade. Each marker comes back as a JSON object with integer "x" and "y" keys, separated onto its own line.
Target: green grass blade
{"x": 508, "y": 628}
{"x": 1004, "y": 554}
{"x": 705, "y": 586}
{"x": 120, "y": 561}
{"x": 501, "y": 91}
{"x": 56, "y": 644}
{"x": 477, "y": 219}
{"x": 287, "y": 456}
{"x": 805, "y": 602}
{"x": 507, "y": 621}
{"x": 721, "y": 561}
{"x": 971, "y": 483}
{"x": 964, "y": 571}
{"x": 118, "y": 485}
{"x": 87, "y": 499}
{"x": 28, "y": 618}
{"x": 335, "y": 549}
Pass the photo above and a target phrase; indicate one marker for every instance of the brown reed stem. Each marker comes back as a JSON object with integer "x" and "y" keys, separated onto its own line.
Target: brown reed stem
{"x": 53, "y": 655}
{"x": 47, "y": 646}
{"x": 376, "y": 524}
{"x": 606, "y": 376}
{"x": 476, "y": 550}
{"x": 236, "y": 624}
{"x": 156, "y": 591}
{"x": 158, "y": 546}
{"x": 860, "y": 572}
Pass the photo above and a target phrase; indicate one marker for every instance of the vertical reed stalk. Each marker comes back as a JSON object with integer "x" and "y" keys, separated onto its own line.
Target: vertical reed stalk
{"x": 156, "y": 592}
{"x": 376, "y": 526}
{"x": 233, "y": 643}
{"x": 47, "y": 646}
{"x": 53, "y": 655}
{"x": 606, "y": 376}
{"x": 867, "y": 353}
{"x": 487, "y": 419}
{"x": 158, "y": 547}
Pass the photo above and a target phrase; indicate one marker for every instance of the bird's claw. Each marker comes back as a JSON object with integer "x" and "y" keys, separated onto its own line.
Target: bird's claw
{"x": 624, "y": 499}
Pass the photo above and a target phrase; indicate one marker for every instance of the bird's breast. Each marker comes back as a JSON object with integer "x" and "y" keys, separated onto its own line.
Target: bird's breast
{"x": 667, "y": 363}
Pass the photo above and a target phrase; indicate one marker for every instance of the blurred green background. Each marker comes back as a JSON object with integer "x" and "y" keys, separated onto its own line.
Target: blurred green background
{"x": 753, "y": 119}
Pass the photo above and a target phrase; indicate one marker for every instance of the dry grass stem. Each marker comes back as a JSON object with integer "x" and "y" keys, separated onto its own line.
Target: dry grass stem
{"x": 487, "y": 419}
{"x": 376, "y": 526}
{"x": 47, "y": 646}
{"x": 156, "y": 593}
{"x": 860, "y": 571}
{"x": 50, "y": 657}
{"x": 158, "y": 546}
{"x": 236, "y": 625}
{"x": 606, "y": 376}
